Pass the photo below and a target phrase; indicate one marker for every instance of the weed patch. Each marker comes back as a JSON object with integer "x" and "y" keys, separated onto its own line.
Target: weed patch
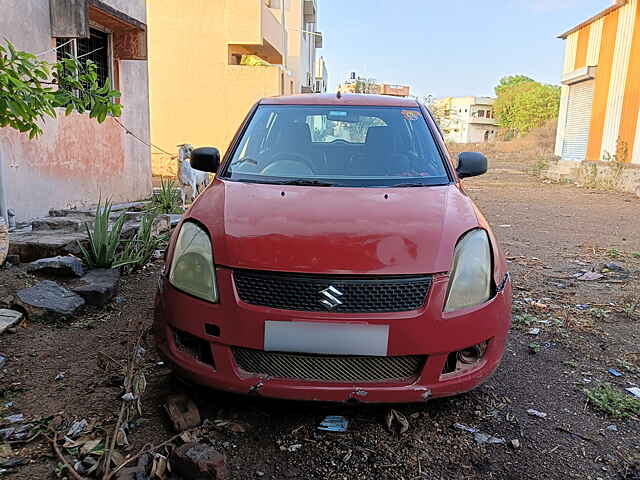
{"x": 614, "y": 402}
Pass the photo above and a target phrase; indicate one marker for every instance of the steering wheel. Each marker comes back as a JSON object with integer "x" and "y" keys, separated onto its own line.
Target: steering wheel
{"x": 287, "y": 164}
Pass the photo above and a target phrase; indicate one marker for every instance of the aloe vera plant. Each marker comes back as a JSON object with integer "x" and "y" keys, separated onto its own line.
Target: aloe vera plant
{"x": 139, "y": 250}
{"x": 104, "y": 242}
{"x": 167, "y": 200}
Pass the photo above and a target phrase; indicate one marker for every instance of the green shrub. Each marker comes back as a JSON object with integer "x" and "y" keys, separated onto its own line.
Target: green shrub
{"x": 104, "y": 242}
{"x": 613, "y": 401}
{"x": 138, "y": 251}
{"x": 167, "y": 200}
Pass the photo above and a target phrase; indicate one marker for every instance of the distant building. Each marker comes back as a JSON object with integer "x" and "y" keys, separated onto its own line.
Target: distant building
{"x": 467, "y": 119}
{"x": 600, "y": 104}
{"x": 322, "y": 76}
{"x": 210, "y": 61}
{"x": 369, "y": 85}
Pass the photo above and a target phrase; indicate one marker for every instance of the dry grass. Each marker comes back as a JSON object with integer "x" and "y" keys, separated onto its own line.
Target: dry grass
{"x": 534, "y": 150}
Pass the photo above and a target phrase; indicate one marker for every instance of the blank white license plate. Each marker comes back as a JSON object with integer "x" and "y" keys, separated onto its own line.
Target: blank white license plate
{"x": 327, "y": 338}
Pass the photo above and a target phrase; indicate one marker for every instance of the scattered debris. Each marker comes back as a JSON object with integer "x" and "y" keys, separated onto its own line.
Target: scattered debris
{"x": 515, "y": 443}
{"x": 128, "y": 397}
{"x": 235, "y": 427}
{"x": 589, "y": 276}
{"x": 291, "y": 448}
{"x": 481, "y": 438}
{"x": 59, "y": 376}
{"x": 614, "y": 267}
{"x": 612, "y": 428}
{"x": 18, "y": 417}
{"x": 614, "y": 372}
{"x": 3, "y": 361}
{"x": 77, "y": 428}
{"x": 334, "y": 423}
{"x": 196, "y": 460}
{"x": 9, "y": 318}
{"x": 63, "y": 266}
{"x": 461, "y": 426}
{"x": 536, "y": 413}
{"x": 48, "y": 301}
{"x": 635, "y": 391}
{"x": 534, "y": 331}
{"x": 182, "y": 411}
{"x": 98, "y": 287}
{"x": 396, "y": 422}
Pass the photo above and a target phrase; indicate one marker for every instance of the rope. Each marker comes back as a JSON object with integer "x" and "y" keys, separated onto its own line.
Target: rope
{"x": 150, "y": 145}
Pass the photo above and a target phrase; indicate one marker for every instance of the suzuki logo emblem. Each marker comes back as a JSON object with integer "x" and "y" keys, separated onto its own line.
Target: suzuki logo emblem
{"x": 330, "y": 297}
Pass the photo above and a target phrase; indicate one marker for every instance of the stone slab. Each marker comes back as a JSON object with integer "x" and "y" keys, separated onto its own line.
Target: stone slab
{"x": 48, "y": 301}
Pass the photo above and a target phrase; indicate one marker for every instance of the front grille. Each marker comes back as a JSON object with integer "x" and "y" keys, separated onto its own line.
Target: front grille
{"x": 290, "y": 291}
{"x": 329, "y": 368}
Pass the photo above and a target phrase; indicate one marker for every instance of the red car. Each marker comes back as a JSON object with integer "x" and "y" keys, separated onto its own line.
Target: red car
{"x": 335, "y": 257}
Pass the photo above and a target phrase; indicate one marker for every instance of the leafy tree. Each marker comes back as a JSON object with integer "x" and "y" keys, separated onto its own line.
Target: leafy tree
{"x": 366, "y": 85}
{"x": 523, "y": 103}
{"x": 32, "y": 89}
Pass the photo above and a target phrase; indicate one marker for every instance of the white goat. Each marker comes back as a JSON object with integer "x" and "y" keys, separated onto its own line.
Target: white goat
{"x": 189, "y": 177}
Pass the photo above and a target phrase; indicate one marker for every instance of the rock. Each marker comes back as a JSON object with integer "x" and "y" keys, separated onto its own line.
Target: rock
{"x": 48, "y": 301}
{"x": 98, "y": 287}
{"x": 9, "y": 318}
{"x": 68, "y": 224}
{"x": 184, "y": 414}
{"x": 515, "y": 443}
{"x": 63, "y": 266}
{"x": 197, "y": 461}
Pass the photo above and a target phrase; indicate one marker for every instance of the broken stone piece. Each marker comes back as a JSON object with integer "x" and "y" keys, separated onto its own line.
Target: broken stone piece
{"x": 48, "y": 301}
{"x": 184, "y": 414}
{"x": 98, "y": 287}
{"x": 67, "y": 266}
{"x": 198, "y": 461}
{"x": 9, "y": 318}
{"x": 536, "y": 413}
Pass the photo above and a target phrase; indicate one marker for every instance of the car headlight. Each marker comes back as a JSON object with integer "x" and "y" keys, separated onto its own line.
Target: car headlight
{"x": 192, "y": 269}
{"x": 470, "y": 276}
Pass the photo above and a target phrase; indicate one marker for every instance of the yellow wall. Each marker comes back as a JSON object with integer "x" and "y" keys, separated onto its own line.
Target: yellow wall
{"x": 196, "y": 96}
{"x": 612, "y": 44}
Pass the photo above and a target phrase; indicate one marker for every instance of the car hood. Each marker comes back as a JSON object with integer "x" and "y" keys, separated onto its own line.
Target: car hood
{"x": 393, "y": 231}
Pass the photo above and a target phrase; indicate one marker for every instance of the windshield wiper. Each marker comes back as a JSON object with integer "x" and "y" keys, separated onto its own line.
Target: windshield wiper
{"x": 302, "y": 182}
{"x": 401, "y": 185}
{"x": 245, "y": 160}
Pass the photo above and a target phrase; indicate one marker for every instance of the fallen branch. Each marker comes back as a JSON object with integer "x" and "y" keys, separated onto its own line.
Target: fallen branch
{"x": 72, "y": 472}
{"x": 144, "y": 452}
{"x": 583, "y": 437}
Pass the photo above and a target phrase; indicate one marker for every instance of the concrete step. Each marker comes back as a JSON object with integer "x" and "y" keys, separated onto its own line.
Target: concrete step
{"x": 83, "y": 213}
{"x": 32, "y": 245}
{"x": 69, "y": 224}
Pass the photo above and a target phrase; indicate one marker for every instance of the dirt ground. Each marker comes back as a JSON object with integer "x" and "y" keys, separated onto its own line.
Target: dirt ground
{"x": 549, "y": 232}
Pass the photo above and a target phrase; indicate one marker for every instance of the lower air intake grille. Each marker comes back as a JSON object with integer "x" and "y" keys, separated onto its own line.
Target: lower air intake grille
{"x": 329, "y": 368}
{"x": 290, "y": 291}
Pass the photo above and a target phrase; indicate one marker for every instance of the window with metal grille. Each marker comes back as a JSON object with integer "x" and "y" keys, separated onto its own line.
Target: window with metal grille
{"x": 94, "y": 48}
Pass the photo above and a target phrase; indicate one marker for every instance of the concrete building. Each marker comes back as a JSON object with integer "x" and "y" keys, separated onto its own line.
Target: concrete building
{"x": 322, "y": 76}
{"x": 600, "y": 105}
{"x": 467, "y": 119}
{"x": 211, "y": 60}
{"x": 369, "y": 85}
{"x": 76, "y": 161}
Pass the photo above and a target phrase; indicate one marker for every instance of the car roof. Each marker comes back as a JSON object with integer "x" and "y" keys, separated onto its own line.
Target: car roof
{"x": 351, "y": 99}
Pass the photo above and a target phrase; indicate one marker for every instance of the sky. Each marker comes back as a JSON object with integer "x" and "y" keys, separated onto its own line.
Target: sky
{"x": 448, "y": 47}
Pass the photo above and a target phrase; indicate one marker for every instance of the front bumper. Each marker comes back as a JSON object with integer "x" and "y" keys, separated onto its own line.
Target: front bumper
{"x": 427, "y": 331}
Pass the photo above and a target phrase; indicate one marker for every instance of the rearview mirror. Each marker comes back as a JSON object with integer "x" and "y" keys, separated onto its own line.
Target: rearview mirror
{"x": 471, "y": 164}
{"x": 205, "y": 159}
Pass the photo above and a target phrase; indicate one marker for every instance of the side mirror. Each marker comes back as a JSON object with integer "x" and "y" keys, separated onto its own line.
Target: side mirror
{"x": 205, "y": 159}
{"x": 471, "y": 164}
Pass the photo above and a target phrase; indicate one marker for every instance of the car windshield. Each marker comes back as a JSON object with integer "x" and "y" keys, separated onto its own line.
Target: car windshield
{"x": 337, "y": 146}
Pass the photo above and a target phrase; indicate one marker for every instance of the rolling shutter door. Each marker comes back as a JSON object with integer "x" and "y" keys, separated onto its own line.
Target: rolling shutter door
{"x": 576, "y": 134}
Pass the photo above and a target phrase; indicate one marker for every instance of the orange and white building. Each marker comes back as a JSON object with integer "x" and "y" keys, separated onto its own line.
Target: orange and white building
{"x": 600, "y": 105}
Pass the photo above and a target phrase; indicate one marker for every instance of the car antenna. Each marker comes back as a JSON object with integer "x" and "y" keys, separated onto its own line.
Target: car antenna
{"x": 339, "y": 95}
